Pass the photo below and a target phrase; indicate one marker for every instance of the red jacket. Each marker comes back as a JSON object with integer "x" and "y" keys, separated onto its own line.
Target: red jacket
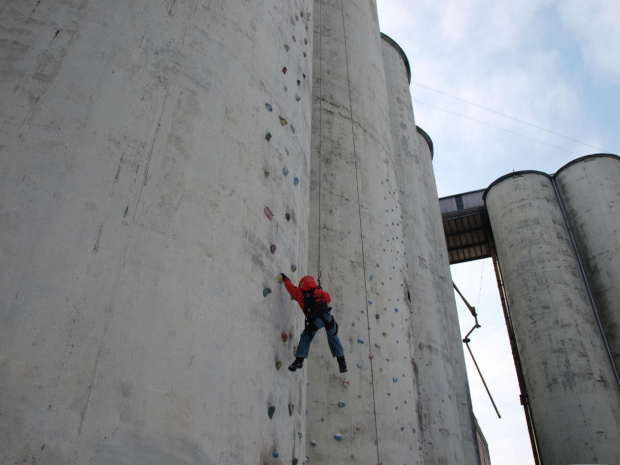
{"x": 297, "y": 294}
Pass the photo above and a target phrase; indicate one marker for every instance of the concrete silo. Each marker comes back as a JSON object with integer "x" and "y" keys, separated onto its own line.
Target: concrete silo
{"x": 573, "y": 394}
{"x": 356, "y": 240}
{"x": 444, "y": 407}
{"x": 590, "y": 191}
{"x": 144, "y": 146}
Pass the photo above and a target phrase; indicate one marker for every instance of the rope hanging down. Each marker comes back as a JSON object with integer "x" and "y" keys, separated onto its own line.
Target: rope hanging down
{"x": 466, "y": 341}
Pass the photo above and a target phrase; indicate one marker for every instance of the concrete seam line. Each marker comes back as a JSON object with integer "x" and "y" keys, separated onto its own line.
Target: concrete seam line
{"x": 359, "y": 208}
{"x": 587, "y": 283}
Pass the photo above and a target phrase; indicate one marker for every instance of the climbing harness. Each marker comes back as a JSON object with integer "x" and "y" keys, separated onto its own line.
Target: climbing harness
{"x": 313, "y": 309}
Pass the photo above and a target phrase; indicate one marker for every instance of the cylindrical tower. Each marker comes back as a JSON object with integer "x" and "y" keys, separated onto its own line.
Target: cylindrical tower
{"x": 144, "y": 147}
{"x": 590, "y": 191}
{"x": 447, "y": 433}
{"x": 574, "y": 398}
{"x": 357, "y": 243}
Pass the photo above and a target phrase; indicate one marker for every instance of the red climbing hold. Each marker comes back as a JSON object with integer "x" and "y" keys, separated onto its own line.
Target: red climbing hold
{"x": 284, "y": 70}
{"x": 284, "y": 337}
{"x": 268, "y": 213}
{"x": 288, "y": 216}
{"x": 272, "y": 248}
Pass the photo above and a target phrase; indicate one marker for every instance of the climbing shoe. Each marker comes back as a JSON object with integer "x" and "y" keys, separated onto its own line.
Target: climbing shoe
{"x": 297, "y": 364}
{"x": 342, "y": 364}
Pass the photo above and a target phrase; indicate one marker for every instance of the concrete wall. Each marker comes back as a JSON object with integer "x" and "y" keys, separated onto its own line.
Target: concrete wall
{"x": 356, "y": 232}
{"x": 447, "y": 429}
{"x": 591, "y": 196}
{"x": 134, "y": 174}
{"x": 572, "y": 391}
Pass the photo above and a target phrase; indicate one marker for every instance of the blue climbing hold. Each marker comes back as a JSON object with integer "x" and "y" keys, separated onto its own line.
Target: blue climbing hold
{"x": 338, "y": 437}
{"x": 275, "y": 454}
{"x": 268, "y": 106}
{"x": 370, "y": 279}
{"x": 370, "y": 302}
{"x": 285, "y": 171}
{"x": 296, "y": 181}
{"x": 395, "y": 380}
{"x": 359, "y": 365}
{"x": 396, "y": 310}
{"x": 360, "y": 340}
{"x": 341, "y": 404}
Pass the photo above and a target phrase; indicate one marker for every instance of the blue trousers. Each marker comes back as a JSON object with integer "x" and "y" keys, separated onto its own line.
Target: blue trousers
{"x": 308, "y": 334}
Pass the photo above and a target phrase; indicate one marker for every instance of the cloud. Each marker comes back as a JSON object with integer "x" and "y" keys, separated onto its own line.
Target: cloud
{"x": 594, "y": 25}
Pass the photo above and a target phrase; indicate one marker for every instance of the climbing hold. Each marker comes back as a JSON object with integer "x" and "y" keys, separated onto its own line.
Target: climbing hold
{"x": 291, "y": 409}
{"x": 377, "y": 316}
{"x": 305, "y": 41}
{"x": 322, "y": 420}
{"x": 402, "y": 428}
{"x": 296, "y": 18}
{"x": 293, "y": 128}
{"x": 395, "y": 379}
{"x": 284, "y": 70}
{"x": 294, "y": 39}
{"x": 370, "y": 279}
{"x": 280, "y": 278}
{"x": 371, "y": 357}
{"x": 278, "y": 364}
{"x": 287, "y": 216}
{"x": 268, "y": 213}
{"x": 271, "y": 411}
{"x": 359, "y": 365}
{"x": 272, "y": 248}
{"x": 283, "y": 121}
{"x": 341, "y": 404}
{"x": 338, "y": 437}
{"x": 295, "y": 461}
{"x": 300, "y": 435}
{"x": 275, "y": 454}
{"x": 305, "y": 54}
{"x": 268, "y": 106}
{"x": 266, "y": 291}
{"x": 346, "y": 383}
{"x": 384, "y": 334}
{"x": 302, "y": 14}
{"x": 298, "y": 98}
{"x": 360, "y": 340}
{"x": 286, "y": 47}
{"x": 377, "y": 346}
{"x": 285, "y": 88}
{"x": 396, "y": 310}
{"x": 304, "y": 75}
{"x": 312, "y": 443}
{"x": 293, "y": 268}
{"x": 266, "y": 173}
{"x": 296, "y": 181}
{"x": 285, "y": 171}
{"x": 268, "y": 136}
{"x": 370, "y": 302}
{"x": 284, "y": 337}
{"x": 298, "y": 82}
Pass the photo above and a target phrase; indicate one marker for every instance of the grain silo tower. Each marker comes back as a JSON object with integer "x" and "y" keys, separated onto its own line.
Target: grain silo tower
{"x": 160, "y": 163}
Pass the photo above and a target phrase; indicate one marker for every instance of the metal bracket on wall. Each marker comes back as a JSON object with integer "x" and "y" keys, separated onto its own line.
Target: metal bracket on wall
{"x": 466, "y": 341}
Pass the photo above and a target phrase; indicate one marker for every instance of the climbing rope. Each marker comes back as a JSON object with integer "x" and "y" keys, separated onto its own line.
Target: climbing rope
{"x": 320, "y": 138}
{"x": 466, "y": 341}
{"x": 372, "y": 378}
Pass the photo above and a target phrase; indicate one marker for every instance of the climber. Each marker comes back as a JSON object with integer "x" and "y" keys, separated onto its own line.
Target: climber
{"x": 313, "y": 301}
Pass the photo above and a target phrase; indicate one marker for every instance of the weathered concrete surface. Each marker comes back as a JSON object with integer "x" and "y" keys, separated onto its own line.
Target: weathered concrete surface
{"x": 574, "y": 397}
{"x": 356, "y": 240}
{"x": 133, "y": 239}
{"x": 446, "y": 422}
{"x": 590, "y": 191}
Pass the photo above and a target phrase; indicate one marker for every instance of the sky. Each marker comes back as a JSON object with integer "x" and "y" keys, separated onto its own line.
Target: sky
{"x": 504, "y": 86}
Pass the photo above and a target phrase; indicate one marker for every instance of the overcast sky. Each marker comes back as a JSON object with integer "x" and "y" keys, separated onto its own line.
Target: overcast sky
{"x": 500, "y": 86}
